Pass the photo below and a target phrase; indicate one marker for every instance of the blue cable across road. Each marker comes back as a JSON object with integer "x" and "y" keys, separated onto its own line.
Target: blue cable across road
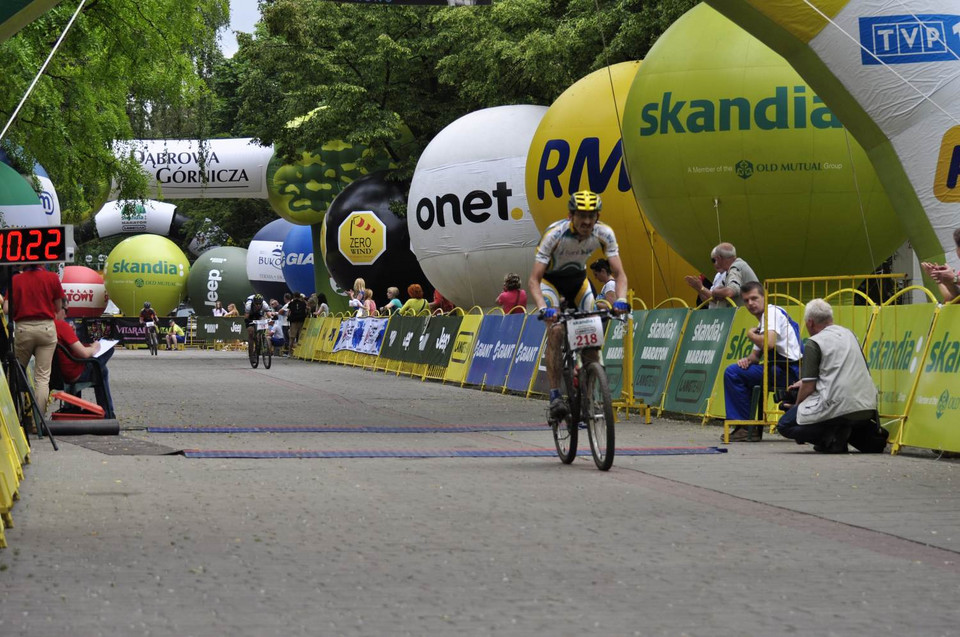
{"x": 357, "y": 429}
{"x": 437, "y": 453}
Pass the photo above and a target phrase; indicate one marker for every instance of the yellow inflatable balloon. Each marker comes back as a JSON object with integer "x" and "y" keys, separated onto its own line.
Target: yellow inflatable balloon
{"x": 576, "y": 147}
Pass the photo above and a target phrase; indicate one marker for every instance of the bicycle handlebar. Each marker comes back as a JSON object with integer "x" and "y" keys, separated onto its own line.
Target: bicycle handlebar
{"x": 573, "y": 313}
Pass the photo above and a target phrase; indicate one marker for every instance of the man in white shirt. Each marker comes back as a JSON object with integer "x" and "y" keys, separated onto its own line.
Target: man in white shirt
{"x": 778, "y": 336}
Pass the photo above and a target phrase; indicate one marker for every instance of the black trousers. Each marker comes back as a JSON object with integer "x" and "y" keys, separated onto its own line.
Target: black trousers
{"x": 864, "y": 434}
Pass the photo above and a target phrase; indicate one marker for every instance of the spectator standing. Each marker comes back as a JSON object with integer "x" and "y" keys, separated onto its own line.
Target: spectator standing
{"x": 948, "y": 279}
{"x": 322, "y": 308}
{"x": 232, "y": 311}
{"x": 608, "y": 289}
{"x": 441, "y": 304}
{"x": 416, "y": 303}
{"x": 296, "y": 315}
{"x": 836, "y": 398}
{"x": 777, "y": 337}
{"x": 393, "y": 303}
{"x": 732, "y": 273}
{"x": 513, "y": 299}
{"x": 37, "y": 296}
{"x": 218, "y": 310}
{"x": 369, "y": 305}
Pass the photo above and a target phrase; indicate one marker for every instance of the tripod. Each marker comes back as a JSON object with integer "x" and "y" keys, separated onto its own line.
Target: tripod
{"x": 17, "y": 379}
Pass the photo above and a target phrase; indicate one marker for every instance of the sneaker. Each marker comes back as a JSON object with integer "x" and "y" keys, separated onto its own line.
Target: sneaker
{"x": 558, "y": 409}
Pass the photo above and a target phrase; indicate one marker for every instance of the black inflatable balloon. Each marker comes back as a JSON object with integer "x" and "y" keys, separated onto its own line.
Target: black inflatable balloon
{"x": 357, "y": 246}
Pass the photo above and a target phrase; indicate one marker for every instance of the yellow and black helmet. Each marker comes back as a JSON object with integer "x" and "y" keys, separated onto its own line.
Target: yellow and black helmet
{"x": 585, "y": 201}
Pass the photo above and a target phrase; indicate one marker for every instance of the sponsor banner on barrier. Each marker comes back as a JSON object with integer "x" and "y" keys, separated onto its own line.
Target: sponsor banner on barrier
{"x": 527, "y": 355}
{"x": 894, "y": 352}
{"x": 613, "y": 350}
{"x": 653, "y": 352}
{"x": 220, "y": 329}
{"x": 328, "y": 336}
{"x": 935, "y": 410}
{"x": 437, "y": 340}
{"x": 700, "y": 354}
{"x": 503, "y": 351}
{"x": 130, "y": 332}
{"x": 737, "y": 346}
{"x": 483, "y": 348}
{"x": 462, "y": 348}
{"x": 362, "y": 335}
{"x": 408, "y": 346}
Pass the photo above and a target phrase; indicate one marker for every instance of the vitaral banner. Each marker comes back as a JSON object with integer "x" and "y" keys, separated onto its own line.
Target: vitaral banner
{"x": 613, "y": 350}
{"x": 653, "y": 353}
{"x": 220, "y": 329}
{"x": 935, "y": 410}
{"x": 232, "y": 168}
{"x": 483, "y": 348}
{"x": 698, "y": 361}
{"x": 527, "y": 354}
{"x": 437, "y": 340}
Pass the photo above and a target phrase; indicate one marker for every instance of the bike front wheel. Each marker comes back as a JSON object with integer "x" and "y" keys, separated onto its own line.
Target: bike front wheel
{"x": 599, "y": 415}
{"x": 253, "y": 351}
{"x": 565, "y": 431}
{"x": 152, "y": 342}
{"x": 267, "y": 352}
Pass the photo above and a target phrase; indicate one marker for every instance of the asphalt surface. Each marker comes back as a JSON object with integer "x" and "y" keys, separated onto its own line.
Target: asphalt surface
{"x": 767, "y": 539}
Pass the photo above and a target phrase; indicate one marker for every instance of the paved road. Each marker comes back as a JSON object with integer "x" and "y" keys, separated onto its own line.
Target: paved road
{"x": 767, "y": 539}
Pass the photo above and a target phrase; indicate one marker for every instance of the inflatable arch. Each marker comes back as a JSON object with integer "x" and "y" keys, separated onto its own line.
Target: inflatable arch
{"x": 146, "y": 217}
{"x": 891, "y": 73}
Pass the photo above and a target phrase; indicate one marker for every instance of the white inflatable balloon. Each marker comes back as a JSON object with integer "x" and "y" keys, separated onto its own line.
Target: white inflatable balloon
{"x": 148, "y": 216}
{"x": 467, "y": 210}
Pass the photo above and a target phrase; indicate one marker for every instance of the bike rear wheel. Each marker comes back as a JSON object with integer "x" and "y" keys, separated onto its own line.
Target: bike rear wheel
{"x": 266, "y": 352}
{"x": 599, "y": 415}
{"x": 565, "y": 432}
{"x": 253, "y": 351}
{"x": 152, "y": 342}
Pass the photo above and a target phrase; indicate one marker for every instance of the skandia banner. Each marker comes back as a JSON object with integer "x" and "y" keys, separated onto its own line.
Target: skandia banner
{"x": 487, "y": 338}
{"x": 698, "y": 361}
{"x": 653, "y": 352}
{"x": 231, "y": 168}
{"x": 892, "y": 70}
{"x": 134, "y": 217}
{"x": 504, "y": 347}
{"x": 894, "y": 350}
{"x": 935, "y": 410}
{"x": 526, "y": 355}
{"x": 613, "y": 350}
{"x": 737, "y": 346}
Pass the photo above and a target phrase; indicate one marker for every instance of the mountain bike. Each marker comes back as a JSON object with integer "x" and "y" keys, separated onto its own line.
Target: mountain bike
{"x": 586, "y": 391}
{"x": 150, "y": 332}
{"x": 260, "y": 347}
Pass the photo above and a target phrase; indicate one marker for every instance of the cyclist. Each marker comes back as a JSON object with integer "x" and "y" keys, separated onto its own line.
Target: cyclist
{"x": 148, "y": 314}
{"x": 255, "y": 308}
{"x": 560, "y": 273}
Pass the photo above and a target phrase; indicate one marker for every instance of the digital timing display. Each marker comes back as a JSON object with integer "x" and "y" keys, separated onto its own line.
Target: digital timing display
{"x": 50, "y": 244}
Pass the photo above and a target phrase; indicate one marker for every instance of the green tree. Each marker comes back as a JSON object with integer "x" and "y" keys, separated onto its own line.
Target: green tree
{"x": 127, "y": 68}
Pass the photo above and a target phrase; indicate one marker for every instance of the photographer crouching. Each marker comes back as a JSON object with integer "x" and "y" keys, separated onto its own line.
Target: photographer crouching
{"x": 836, "y": 400}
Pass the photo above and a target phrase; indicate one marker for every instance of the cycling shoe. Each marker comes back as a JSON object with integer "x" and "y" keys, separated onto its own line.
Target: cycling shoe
{"x": 559, "y": 409}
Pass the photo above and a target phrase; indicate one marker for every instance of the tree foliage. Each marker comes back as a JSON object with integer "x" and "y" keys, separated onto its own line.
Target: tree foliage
{"x": 127, "y": 69}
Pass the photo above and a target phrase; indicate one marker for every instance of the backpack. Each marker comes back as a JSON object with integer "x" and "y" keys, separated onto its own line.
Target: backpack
{"x": 297, "y": 310}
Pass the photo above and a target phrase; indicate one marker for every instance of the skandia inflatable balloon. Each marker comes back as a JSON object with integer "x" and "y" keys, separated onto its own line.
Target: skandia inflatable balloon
{"x": 47, "y": 193}
{"x": 577, "y": 147}
{"x": 85, "y": 292}
{"x": 265, "y": 259}
{"x": 298, "y": 260}
{"x": 365, "y": 239}
{"x": 467, "y": 210}
{"x": 889, "y": 70}
{"x": 729, "y": 144}
{"x": 146, "y": 268}
{"x": 219, "y": 274}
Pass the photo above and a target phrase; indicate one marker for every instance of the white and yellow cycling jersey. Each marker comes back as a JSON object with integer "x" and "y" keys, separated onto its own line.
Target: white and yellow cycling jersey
{"x": 560, "y": 247}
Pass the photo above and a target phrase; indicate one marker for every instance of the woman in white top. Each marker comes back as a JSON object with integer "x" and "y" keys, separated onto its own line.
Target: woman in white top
{"x": 608, "y": 291}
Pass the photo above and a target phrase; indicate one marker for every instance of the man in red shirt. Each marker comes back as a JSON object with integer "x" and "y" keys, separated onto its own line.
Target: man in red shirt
{"x": 37, "y": 296}
{"x": 73, "y": 371}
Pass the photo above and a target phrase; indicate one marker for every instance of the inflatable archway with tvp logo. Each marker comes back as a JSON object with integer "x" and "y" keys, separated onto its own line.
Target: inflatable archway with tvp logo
{"x": 891, "y": 73}
{"x": 729, "y": 144}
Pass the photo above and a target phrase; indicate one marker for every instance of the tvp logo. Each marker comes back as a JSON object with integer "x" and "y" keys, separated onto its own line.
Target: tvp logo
{"x": 909, "y": 39}
{"x": 948, "y": 168}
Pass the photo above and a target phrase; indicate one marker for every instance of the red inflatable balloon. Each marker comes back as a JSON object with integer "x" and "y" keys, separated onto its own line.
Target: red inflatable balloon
{"x": 86, "y": 295}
